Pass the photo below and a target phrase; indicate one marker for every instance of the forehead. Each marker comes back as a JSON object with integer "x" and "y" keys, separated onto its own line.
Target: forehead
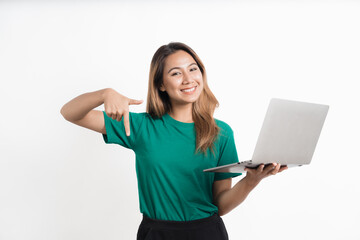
{"x": 179, "y": 59}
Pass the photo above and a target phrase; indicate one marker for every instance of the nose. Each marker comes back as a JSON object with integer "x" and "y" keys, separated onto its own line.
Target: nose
{"x": 187, "y": 79}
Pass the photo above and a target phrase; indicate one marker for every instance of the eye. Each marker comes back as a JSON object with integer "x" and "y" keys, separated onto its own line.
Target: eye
{"x": 193, "y": 69}
{"x": 175, "y": 73}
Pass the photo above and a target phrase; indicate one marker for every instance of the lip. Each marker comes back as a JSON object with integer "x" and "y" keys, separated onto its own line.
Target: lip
{"x": 188, "y": 88}
{"x": 189, "y": 93}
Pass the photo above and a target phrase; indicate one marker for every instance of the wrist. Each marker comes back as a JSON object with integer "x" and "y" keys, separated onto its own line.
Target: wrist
{"x": 251, "y": 182}
{"x": 104, "y": 93}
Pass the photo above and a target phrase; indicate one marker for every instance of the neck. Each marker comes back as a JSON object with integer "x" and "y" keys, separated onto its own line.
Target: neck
{"x": 182, "y": 113}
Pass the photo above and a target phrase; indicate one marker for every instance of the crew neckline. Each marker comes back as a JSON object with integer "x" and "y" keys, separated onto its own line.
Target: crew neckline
{"x": 178, "y": 123}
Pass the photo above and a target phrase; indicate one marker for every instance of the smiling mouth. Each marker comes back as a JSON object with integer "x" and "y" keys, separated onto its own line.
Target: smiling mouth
{"x": 189, "y": 89}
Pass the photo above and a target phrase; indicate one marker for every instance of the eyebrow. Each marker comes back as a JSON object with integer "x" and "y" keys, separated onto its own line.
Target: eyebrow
{"x": 179, "y": 68}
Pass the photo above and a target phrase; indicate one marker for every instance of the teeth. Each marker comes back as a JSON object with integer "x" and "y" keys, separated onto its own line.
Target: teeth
{"x": 189, "y": 90}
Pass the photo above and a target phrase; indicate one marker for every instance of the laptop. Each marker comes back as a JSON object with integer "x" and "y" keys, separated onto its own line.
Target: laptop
{"x": 288, "y": 136}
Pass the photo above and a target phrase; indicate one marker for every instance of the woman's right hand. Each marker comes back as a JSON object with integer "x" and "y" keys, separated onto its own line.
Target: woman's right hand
{"x": 117, "y": 107}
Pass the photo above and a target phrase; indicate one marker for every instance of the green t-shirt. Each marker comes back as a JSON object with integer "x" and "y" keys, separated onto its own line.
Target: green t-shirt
{"x": 171, "y": 182}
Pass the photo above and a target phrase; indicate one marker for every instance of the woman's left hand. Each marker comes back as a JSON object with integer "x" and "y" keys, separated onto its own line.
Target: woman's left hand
{"x": 254, "y": 176}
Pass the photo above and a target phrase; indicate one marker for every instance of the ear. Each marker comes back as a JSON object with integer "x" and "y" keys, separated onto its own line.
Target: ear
{"x": 162, "y": 88}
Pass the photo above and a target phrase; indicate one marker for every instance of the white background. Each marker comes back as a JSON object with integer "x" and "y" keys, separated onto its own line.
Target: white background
{"x": 60, "y": 181}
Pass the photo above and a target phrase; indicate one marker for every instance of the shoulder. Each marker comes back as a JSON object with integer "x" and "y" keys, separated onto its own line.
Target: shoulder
{"x": 225, "y": 136}
{"x": 141, "y": 117}
{"x": 225, "y": 128}
{"x": 138, "y": 115}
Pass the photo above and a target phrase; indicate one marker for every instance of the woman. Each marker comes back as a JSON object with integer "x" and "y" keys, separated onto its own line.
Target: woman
{"x": 173, "y": 141}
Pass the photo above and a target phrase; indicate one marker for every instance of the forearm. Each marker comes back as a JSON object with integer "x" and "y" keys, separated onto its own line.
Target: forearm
{"x": 78, "y": 107}
{"x": 230, "y": 199}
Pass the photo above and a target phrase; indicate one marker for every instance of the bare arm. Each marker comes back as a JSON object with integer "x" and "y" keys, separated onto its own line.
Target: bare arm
{"x": 227, "y": 198}
{"x": 80, "y": 109}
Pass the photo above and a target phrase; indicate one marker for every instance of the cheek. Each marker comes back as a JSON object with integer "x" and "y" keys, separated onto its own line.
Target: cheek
{"x": 198, "y": 77}
{"x": 172, "y": 85}
{"x": 201, "y": 88}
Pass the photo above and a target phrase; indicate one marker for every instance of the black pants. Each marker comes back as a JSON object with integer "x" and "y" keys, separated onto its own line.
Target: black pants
{"x": 211, "y": 228}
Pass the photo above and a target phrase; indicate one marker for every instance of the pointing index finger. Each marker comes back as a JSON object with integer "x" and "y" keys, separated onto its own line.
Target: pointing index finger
{"x": 133, "y": 101}
{"x": 127, "y": 123}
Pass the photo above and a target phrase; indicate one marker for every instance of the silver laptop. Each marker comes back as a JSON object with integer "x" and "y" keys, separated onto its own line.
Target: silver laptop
{"x": 289, "y": 135}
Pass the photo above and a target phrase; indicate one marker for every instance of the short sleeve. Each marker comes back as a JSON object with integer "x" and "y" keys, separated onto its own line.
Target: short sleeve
{"x": 228, "y": 153}
{"x": 115, "y": 130}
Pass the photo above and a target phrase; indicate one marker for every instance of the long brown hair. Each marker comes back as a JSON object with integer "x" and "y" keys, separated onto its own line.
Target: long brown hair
{"x": 158, "y": 102}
